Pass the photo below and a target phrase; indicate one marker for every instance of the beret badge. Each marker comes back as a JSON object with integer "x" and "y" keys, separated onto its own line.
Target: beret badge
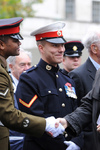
{"x": 74, "y": 48}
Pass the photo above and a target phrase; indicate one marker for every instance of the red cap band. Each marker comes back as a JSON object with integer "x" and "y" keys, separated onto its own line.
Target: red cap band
{"x": 8, "y": 31}
{"x": 48, "y": 35}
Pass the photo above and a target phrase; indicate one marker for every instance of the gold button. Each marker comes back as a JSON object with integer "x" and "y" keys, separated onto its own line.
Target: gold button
{"x": 60, "y": 89}
{"x": 63, "y": 105}
{"x": 48, "y": 67}
{"x": 49, "y": 91}
{"x": 57, "y": 75}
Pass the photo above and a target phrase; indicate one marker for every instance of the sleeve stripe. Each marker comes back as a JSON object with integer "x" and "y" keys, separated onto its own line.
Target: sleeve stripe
{"x": 4, "y": 94}
{"x": 30, "y": 103}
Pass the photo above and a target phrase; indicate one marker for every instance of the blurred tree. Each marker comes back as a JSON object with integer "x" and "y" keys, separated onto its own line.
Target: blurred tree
{"x": 16, "y": 8}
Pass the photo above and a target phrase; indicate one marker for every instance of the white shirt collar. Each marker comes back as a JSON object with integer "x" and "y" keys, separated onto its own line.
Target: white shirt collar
{"x": 14, "y": 80}
{"x": 96, "y": 65}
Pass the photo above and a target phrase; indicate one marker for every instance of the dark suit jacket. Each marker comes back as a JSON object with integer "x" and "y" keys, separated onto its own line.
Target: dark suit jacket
{"x": 87, "y": 112}
{"x": 84, "y": 77}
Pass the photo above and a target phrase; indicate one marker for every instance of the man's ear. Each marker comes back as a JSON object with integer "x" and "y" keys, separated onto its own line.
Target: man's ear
{"x": 10, "y": 66}
{"x": 40, "y": 47}
{"x": 94, "y": 48}
{"x": 2, "y": 45}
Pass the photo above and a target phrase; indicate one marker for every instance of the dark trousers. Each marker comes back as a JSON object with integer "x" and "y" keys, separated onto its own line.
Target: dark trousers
{"x": 46, "y": 142}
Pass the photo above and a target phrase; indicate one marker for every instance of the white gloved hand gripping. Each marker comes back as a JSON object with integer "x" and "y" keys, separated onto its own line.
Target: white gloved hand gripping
{"x": 71, "y": 145}
{"x": 51, "y": 129}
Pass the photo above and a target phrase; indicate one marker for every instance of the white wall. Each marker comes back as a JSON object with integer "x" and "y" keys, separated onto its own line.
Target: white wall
{"x": 83, "y": 10}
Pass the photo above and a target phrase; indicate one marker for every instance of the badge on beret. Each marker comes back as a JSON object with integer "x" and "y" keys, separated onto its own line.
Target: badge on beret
{"x": 74, "y": 48}
{"x": 70, "y": 91}
{"x": 59, "y": 33}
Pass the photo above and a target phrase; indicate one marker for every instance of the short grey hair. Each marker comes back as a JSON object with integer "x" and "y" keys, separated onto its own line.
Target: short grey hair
{"x": 90, "y": 38}
{"x": 12, "y": 59}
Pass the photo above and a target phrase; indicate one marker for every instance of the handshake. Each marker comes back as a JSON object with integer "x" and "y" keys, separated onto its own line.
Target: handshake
{"x": 55, "y": 126}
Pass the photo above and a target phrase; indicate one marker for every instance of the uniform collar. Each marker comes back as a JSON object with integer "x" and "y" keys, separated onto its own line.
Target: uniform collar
{"x": 64, "y": 71}
{"x": 47, "y": 66}
{"x": 3, "y": 62}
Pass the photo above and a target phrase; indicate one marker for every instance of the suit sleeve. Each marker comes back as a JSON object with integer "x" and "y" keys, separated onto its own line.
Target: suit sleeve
{"x": 81, "y": 117}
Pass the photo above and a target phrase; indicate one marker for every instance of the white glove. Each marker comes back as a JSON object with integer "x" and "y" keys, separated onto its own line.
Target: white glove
{"x": 50, "y": 127}
{"x": 71, "y": 145}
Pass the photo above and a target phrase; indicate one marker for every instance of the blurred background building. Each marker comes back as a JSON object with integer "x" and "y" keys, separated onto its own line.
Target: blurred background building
{"x": 79, "y": 16}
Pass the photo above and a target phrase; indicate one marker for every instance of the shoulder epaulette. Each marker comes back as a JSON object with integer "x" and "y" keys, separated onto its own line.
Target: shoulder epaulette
{"x": 31, "y": 69}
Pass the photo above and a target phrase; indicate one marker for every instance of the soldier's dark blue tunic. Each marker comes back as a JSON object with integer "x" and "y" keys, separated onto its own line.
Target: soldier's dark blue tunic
{"x": 45, "y": 91}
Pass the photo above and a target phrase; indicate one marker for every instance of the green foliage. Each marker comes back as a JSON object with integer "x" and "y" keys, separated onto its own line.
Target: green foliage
{"x": 16, "y": 8}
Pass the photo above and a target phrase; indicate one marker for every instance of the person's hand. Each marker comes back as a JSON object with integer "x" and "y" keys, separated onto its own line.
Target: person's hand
{"x": 51, "y": 129}
{"x": 71, "y": 145}
{"x": 63, "y": 122}
{"x": 98, "y": 128}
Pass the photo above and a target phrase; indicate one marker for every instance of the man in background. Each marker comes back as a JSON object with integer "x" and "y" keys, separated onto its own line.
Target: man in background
{"x": 18, "y": 64}
{"x": 85, "y": 75}
{"x": 72, "y": 56}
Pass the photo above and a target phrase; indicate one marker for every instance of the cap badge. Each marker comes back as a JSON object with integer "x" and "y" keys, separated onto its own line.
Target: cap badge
{"x": 59, "y": 33}
{"x": 74, "y": 48}
{"x": 48, "y": 67}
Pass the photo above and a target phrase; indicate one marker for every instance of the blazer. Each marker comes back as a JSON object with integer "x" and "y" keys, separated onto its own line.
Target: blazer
{"x": 83, "y": 77}
{"x": 88, "y": 112}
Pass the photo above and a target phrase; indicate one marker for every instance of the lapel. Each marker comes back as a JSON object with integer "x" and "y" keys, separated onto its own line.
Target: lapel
{"x": 91, "y": 69}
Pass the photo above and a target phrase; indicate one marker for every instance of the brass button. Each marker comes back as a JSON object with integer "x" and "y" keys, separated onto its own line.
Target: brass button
{"x": 63, "y": 105}
{"x": 49, "y": 91}
{"x": 57, "y": 75}
{"x": 60, "y": 89}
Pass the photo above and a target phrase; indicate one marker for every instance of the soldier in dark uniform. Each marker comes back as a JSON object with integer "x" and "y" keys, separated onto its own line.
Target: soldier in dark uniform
{"x": 72, "y": 56}
{"x": 9, "y": 116}
{"x": 45, "y": 91}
